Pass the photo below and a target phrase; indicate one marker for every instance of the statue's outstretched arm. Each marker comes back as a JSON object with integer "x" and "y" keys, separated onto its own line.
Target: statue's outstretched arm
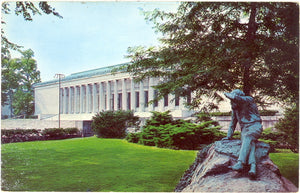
{"x": 232, "y": 126}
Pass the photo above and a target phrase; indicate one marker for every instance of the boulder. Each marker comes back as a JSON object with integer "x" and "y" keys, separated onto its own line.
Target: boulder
{"x": 210, "y": 172}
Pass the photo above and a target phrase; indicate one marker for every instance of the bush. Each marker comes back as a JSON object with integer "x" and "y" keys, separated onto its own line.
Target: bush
{"x": 204, "y": 117}
{"x": 159, "y": 118}
{"x": 72, "y": 131}
{"x": 113, "y": 124}
{"x": 176, "y": 134}
{"x": 22, "y": 135}
{"x": 273, "y": 144}
{"x": 289, "y": 125}
{"x": 53, "y": 133}
{"x": 133, "y": 137}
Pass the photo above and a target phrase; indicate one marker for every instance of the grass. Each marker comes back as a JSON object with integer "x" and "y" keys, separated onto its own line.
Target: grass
{"x": 288, "y": 164}
{"x": 91, "y": 164}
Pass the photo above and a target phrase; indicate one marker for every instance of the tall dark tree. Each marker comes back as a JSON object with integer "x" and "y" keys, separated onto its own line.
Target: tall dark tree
{"x": 212, "y": 47}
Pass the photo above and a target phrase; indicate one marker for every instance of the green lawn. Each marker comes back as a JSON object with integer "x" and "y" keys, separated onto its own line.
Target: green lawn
{"x": 91, "y": 164}
{"x": 288, "y": 164}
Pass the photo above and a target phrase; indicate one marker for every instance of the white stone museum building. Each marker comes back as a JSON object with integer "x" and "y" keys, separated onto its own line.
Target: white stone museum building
{"x": 81, "y": 95}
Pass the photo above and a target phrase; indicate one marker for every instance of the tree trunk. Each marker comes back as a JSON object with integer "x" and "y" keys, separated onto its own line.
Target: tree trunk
{"x": 250, "y": 36}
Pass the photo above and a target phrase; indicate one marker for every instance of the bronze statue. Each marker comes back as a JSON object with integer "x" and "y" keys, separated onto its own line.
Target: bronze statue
{"x": 244, "y": 112}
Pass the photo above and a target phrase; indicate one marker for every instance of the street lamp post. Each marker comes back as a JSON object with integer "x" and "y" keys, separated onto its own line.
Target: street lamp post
{"x": 59, "y": 76}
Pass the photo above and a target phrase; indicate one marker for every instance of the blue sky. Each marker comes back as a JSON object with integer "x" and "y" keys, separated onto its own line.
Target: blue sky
{"x": 90, "y": 35}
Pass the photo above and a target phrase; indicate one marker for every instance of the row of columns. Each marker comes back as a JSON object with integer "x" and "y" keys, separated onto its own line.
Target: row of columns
{"x": 101, "y": 96}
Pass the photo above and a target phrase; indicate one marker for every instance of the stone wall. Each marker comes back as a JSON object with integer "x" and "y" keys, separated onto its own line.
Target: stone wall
{"x": 267, "y": 121}
{"x": 38, "y": 124}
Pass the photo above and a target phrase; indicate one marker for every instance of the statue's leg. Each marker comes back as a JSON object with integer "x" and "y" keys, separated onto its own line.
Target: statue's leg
{"x": 245, "y": 149}
{"x": 244, "y": 152}
{"x": 252, "y": 160}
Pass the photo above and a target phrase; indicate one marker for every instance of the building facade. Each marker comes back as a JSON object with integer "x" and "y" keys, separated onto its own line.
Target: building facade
{"x": 81, "y": 95}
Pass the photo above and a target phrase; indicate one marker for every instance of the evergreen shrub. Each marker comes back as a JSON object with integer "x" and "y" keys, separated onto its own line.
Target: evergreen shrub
{"x": 133, "y": 137}
{"x": 289, "y": 125}
{"x": 113, "y": 124}
{"x": 162, "y": 131}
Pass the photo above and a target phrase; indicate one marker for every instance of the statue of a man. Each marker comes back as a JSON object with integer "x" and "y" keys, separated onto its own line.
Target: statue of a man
{"x": 245, "y": 112}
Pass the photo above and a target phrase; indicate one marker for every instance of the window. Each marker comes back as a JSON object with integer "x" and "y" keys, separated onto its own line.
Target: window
{"x": 176, "y": 100}
{"x": 105, "y": 102}
{"x": 146, "y": 98}
{"x": 189, "y": 98}
{"x": 112, "y": 101}
{"x": 137, "y": 99}
{"x": 129, "y": 100}
{"x": 156, "y": 101}
{"x": 166, "y": 100}
{"x": 120, "y": 101}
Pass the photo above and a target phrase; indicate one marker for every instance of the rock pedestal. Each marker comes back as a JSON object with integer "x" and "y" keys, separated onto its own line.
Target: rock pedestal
{"x": 210, "y": 172}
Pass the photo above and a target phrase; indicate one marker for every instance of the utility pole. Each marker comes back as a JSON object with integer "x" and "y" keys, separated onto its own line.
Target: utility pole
{"x": 59, "y": 76}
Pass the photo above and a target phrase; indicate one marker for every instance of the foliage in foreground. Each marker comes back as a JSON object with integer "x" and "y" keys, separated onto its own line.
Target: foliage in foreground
{"x": 289, "y": 125}
{"x": 113, "y": 124}
{"x": 91, "y": 164}
{"x": 162, "y": 131}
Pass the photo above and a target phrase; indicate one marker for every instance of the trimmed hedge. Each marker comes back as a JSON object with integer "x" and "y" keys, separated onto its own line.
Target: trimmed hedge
{"x": 22, "y": 135}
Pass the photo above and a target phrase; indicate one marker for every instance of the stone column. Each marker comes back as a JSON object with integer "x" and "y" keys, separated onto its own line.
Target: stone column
{"x": 116, "y": 95}
{"x": 151, "y": 94}
{"x": 142, "y": 97}
{"x": 61, "y": 100}
{"x": 161, "y": 105}
{"x": 75, "y": 99}
{"x": 82, "y": 99}
{"x": 65, "y": 100}
{"x": 101, "y": 97}
{"x": 124, "y": 95}
{"x": 70, "y": 100}
{"x": 90, "y": 99}
{"x": 181, "y": 103}
{"x": 108, "y": 95}
{"x": 95, "y": 98}
{"x": 171, "y": 102}
{"x": 87, "y": 100}
{"x": 132, "y": 95}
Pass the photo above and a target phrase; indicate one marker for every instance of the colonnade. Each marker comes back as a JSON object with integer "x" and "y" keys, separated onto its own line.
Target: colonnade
{"x": 116, "y": 94}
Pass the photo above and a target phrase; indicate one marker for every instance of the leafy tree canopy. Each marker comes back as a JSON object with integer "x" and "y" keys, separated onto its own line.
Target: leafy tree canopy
{"x": 17, "y": 77}
{"x": 212, "y": 47}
